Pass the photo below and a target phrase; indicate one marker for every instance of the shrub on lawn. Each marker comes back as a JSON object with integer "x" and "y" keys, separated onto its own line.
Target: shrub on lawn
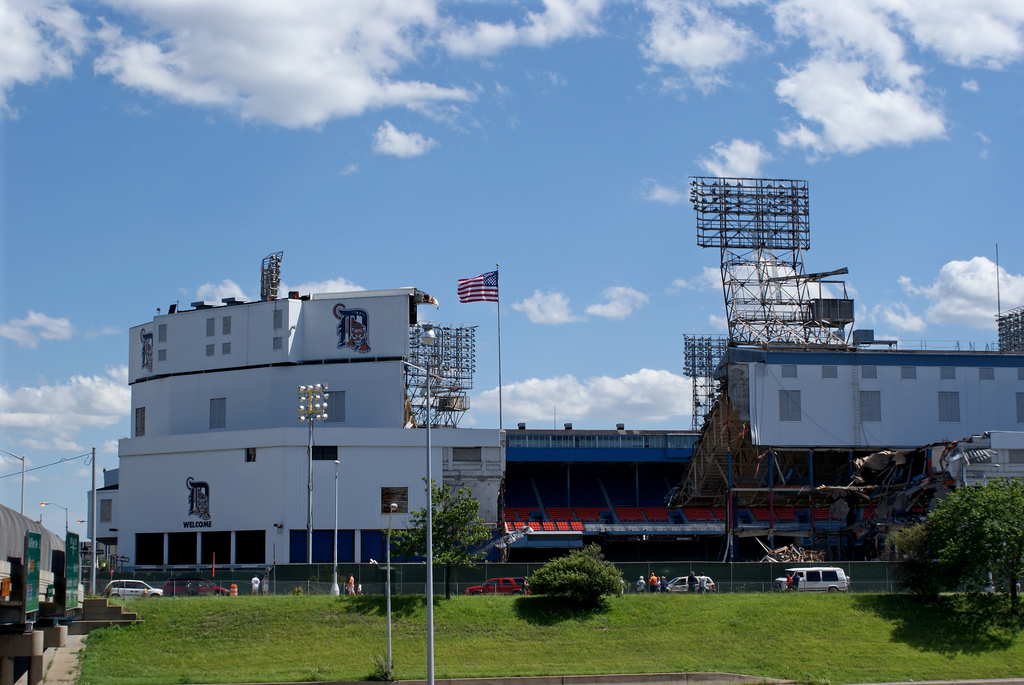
{"x": 582, "y": 576}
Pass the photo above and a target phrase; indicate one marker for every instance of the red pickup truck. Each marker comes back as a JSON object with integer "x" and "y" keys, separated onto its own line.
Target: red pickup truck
{"x": 501, "y": 586}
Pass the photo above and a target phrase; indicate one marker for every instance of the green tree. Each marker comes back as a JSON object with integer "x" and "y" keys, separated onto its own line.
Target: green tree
{"x": 980, "y": 530}
{"x": 458, "y": 531}
{"x": 582, "y": 576}
{"x": 916, "y": 563}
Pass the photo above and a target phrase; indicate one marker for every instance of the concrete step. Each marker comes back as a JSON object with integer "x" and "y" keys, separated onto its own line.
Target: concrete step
{"x": 83, "y": 627}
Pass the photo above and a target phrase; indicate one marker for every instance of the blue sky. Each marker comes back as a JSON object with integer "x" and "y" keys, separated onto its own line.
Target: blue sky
{"x": 154, "y": 151}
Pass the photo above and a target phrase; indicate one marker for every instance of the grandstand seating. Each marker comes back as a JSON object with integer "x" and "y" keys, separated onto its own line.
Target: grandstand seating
{"x": 560, "y": 513}
{"x": 659, "y": 514}
{"x": 785, "y": 514}
{"x": 819, "y": 514}
{"x": 760, "y": 513}
{"x": 588, "y": 513}
{"x": 719, "y": 513}
{"x": 629, "y": 513}
{"x": 698, "y": 514}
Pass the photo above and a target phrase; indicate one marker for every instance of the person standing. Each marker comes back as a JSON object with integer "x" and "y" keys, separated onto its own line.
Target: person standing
{"x": 641, "y": 585}
{"x": 691, "y": 583}
{"x": 663, "y": 584}
{"x": 255, "y": 584}
{"x": 350, "y": 586}
{"x": 653, "y": 583}
{"x": 265, "y": 585}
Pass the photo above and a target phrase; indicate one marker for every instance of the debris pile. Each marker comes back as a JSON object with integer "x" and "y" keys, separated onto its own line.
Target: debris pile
{"x": 791, "y": 554}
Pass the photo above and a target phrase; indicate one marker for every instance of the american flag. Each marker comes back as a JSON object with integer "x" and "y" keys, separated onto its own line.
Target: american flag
{"x": 482, "y": 288}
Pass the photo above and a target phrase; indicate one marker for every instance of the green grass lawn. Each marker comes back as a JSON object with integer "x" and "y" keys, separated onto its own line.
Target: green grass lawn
{"x": 844, "y": 638}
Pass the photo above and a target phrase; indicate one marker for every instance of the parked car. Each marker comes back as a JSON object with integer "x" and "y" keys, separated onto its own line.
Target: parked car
{"x": 131, "y": 588}
{"x": 678, "y": 584}
{"x": 188, "y": 586}
{"x": 814, "y": 579}
{"x": 501, "y": 586}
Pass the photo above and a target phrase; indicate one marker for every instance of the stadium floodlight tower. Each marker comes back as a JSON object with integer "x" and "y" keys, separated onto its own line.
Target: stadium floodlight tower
{"x": 452, "y": 358}
{"x": 701, "y": 354}
{"x": 270, "y": 276}
{"x": 762, "y": 226}
{"x": 1011, "y": 330}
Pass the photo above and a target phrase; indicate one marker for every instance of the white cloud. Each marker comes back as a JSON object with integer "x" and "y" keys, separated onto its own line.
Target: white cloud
{"x": 297, "y": 64}
{"x": 640, "y": 398}
{"x": 984, "y": 139}
{"x": 333, "y": 285}
{"x": 897, "y": 315}
{"x": 718, "y": 323}
{"x": 965, "y": 32}
{"x": 560, "y": 20}
{"x": 52, "y": 415}
{"x": 971, "y": 85}
{"x": 350, "y": 169}
{"x": 215, "y": 292}
{"x": 850, "y": 115}
{"x": 737, "y": 159}
{"x": 659, "y": 193}
{"x": 697, "y": 40}
{"x": 388, "y": 140}
{"x": 551, "y": 308}
{"x": 37, "y": 40}
{"x": 709, "y": 279}
{"x": 106, "y": 330}
{"x": 964, "y": 293}
{"x": 27, "y": 332}
{"x": 620, "y": 303}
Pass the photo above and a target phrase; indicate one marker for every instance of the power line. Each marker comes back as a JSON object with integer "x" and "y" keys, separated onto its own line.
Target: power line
{"x": 36, "y": 468}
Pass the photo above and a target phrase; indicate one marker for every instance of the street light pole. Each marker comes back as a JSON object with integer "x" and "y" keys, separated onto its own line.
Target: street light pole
{"x": 22, "y": 477}
{"x": 428, "y": 337}
{"x": 54, "y": 504}
{"x": 387, "y": 584}
{"x": 312, "y": 407}
{"x": 335, "y": 590}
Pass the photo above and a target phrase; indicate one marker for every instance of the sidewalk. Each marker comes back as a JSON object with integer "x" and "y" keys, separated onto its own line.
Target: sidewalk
{"x": 61, "y": 665}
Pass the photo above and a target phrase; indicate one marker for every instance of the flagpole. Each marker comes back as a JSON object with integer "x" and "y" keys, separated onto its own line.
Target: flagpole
{"x": 501, "y": 425}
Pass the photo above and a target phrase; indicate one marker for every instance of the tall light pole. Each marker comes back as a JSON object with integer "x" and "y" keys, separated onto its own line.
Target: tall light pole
{"x": 22, "y": 477}
{"x": 427, "y": 338}
{"x": 312, "y": 408}
{"x": 387, "y": 583}
{"x": 335, "y": 590}
{"x": 54, "y": 504}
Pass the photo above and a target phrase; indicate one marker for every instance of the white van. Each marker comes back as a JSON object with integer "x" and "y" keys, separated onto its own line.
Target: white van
{"x": 815, "y": 579}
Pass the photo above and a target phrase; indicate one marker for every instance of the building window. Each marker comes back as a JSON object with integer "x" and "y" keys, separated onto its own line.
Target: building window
{"x": 106, "y": 510}
{"x": 325, "y": 452}
{"x": 869, "y": 372}
{"x": 161, "y": 355}
{"x": 947, "y": 373}
{"x": 399, "y": 496}
{"x": 1020, "y": 407}
{"x": 789, "y": 370}
{"x": 830, "y": 371}
{"x": 908, "y": 373}
{"x": 278, "y": 319}
{"x": 161, "y": 333}
{"x": 278, "y": 342}
{"x": 211, "y": 327}
{"x": 250, "y": 455}
{"x": 986, "y": 373}
{"x": 218, "y": 412}
{"x": 140, "y": 421}
{"x": 1015, "y": 456}
{"x": 789, "y": 405}
{"x": 949, "y": 407}
{"x": 209, "y": 350}
{"x": 466, "y": 454}
{"x": 336, "y": 407}
{"x": 226, "y": 324}
{"x": 225, "y": 348}
{"x": 1020, "y": 373}
{"x": 870, "y": 405}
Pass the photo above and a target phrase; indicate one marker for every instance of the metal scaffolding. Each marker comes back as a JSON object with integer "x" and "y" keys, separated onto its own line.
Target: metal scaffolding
{"x": 270, "y": 276}
{"x": 1011, "y": 330}
{"x": 761, "y": 227}
{"x": 701, "y": 354}
{"x": 452, "y": 362}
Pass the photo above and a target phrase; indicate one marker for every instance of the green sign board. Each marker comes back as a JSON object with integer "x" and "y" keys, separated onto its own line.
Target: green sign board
{"x": 33, "y": 547}
{"x": 72, "y": 571}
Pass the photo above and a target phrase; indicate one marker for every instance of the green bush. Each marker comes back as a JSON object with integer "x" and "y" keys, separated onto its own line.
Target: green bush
{"x": 582, "y": 576}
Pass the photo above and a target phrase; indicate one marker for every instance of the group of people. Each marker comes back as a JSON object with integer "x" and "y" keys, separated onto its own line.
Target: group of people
{"x": 694, "y": 583}
{"x": 260, "y": 586}
{"x": 792, "y": 582}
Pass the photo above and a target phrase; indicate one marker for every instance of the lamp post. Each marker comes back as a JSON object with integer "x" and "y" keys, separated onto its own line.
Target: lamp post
{"x": 22, "y": 477}
{"x": 312, "y": 408}
{"x": 54, "y": 504}
{"x": 335, "y": 590}
{"x": 427, "y": 337}
{"x": 387, "y": 583}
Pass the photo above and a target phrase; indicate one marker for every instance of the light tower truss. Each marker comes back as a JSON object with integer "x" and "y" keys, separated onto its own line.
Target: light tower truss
{"x": 701, "y": 354}
{"x": 451, "y": 360}
{"x": 762, "y": 227}
{"x": 1011, "y": 330}
{"x": 270, "y": 276}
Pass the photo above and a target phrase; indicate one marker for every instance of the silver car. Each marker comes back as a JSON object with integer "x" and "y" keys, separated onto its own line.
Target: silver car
{"x": 131, "y": 588}
{"x": 678, "y": 584}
